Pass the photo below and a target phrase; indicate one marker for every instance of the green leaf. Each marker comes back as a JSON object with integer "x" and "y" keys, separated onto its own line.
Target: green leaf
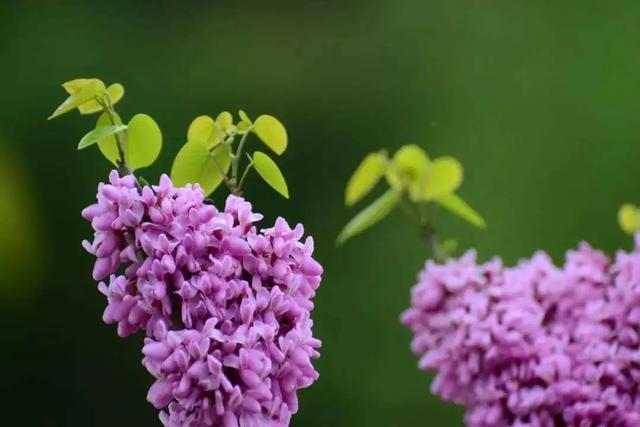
{"x": 194, "y": 163}
{"x": 108, "y": 146}
{"x": 443, "y": 177}
{"x": 243, "y": 127}
{"x": 408, "y": 168}
{"x": 459, "y": 207}
{"x": 144, "y": 141}
{"x": 74, "y": 86}
{"x": 271, "y": 132}
{"x": 245, "y": 123}
{"x": 115, "y": 92}
{"x": 371, "y": 215}
{"x": 82, "y": 94}
{"x": 98, "y": 134}
{"x": 244, "y": 117}
{"x": 366, "y": 176}
{"x": 270, "y": 172}
{"x": 224, "y": 120}
{"x": 203, "y": 128}
{"x": 629, "y": 218}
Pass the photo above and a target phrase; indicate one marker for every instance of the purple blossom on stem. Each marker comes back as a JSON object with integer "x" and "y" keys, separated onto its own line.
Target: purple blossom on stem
{"x": 533, "y": 345}
{"x": 226, "y": 308}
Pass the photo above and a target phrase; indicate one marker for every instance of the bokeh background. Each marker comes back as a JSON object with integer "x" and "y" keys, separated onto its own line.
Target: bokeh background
{"x": 538, "y": 99}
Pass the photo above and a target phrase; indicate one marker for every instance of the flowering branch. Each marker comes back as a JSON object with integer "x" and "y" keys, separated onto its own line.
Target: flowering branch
{"x": 226, "y": 309}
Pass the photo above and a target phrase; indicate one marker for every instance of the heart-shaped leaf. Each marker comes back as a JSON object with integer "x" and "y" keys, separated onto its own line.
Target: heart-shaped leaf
{"x": 98, "y": 134}
{"x": 83, "y": 93}
{"x": 203, "y": 128}
{"x": 366, "y": 176}
{"x": 408, "y": 168}
{"x": 270, "y": 173}
{"x": 371, "y": 215}
{"x": 271, "y": 132}
{"x": 74, "y": 86}
{"x": 443, "y": 177}
{"x": 115, "y": 92}
{"x": 144, "y": 141}
{"x": 224, "y": 120}
{"x": 194, "y": 163}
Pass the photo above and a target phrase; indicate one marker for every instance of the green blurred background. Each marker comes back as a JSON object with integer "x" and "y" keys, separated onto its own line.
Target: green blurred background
{"x": 538, "y": 99}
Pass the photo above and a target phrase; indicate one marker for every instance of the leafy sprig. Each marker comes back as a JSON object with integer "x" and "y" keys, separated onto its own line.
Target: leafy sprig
{"x": 417, "y": 184}
{"x": 130, "y": 146}
{"x": 212, "y": 154}
{"x": 214, "y": 151}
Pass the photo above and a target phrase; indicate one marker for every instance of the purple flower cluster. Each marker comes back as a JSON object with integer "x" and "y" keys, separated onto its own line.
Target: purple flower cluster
{"x": 533, "y": 345}
{"x": 226, "y": 308}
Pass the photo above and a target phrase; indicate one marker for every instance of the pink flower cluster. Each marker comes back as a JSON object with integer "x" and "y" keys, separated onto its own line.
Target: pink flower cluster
{"x": 226, "y": 308}
{"x": 533, "y": 345}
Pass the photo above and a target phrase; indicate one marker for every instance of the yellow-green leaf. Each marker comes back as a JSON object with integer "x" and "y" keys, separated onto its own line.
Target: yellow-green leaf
{"x": 203, "y": 129}
{"x": 270, "y": 172}
{"x": 115, "y": 92}
{"x": 194, "y": 163}
{"x": 74, "y": 86}
{"x": 629, "y": 218}
{"x": 443, "y": 177}
{"x": 244, "y": 117}
{"x": 98, "y": 134}
{"x": 224, "y": 120}
{"x": 90, "y": 107}
{"x": 243, "y": 127}
{"x": 144, "y": 141}
{"x": 108, "y": 145}
{"x": 366, "y": 176}
{"x": 408, "y": 168}
{"x": 85, "y": 93}
{"x": 459, "y": 207}
{"x": 271, "y": 132}
{"x": 371, "y": 215}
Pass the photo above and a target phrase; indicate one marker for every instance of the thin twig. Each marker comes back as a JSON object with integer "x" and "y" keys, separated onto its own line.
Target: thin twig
{"x": 123, "y": 168}
{"x": 221, "y": 170}
{"x": 236, "y": 159}
{"x": 406, "y": 208}
{"x": 436, "y": 249}
{"x": 244, "y": 176}
{"x": 427, "y": 231}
